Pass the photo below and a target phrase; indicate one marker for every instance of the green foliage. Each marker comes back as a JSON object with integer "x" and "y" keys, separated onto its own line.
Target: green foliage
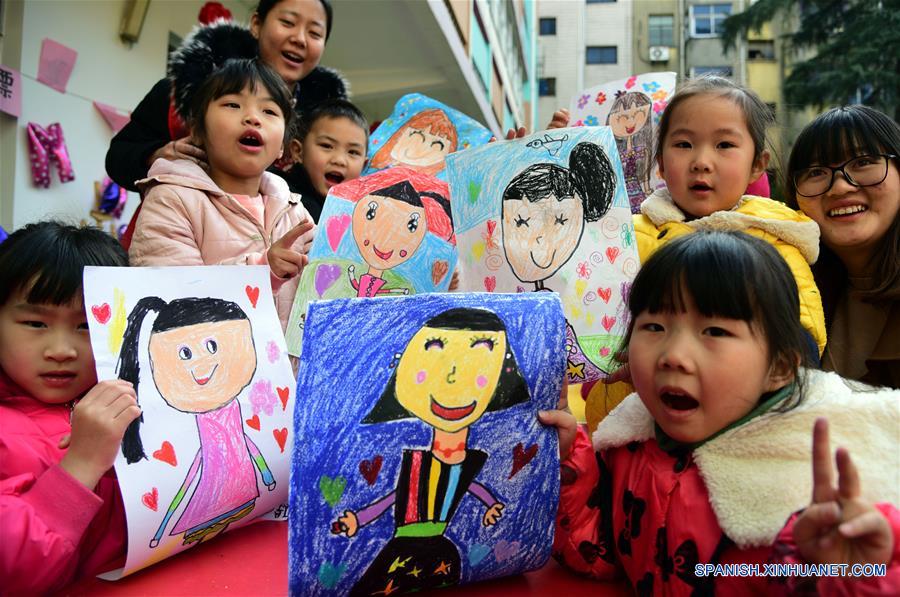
{"x": 854, "y": 47}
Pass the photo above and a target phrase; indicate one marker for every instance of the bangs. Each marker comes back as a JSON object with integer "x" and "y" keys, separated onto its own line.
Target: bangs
{"x": 840, "y": 134}
{"x": 235, "y": 76}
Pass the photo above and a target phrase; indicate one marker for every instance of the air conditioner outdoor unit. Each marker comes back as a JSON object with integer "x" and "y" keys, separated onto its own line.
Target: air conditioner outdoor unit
{"x": 659, "y": 53}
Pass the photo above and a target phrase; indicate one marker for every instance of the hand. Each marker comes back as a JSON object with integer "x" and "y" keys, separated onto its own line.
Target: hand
{"x": 284, "y": 261}
{"x": 180, "y": 149}
{"x": 512, "y": 134}
{"x": 347, "y": 524}
{"x": 839, "y": 526}
{"x": 564, "y": 421}
{"x": 99, "y": 421}
{"x": 623, "y": 373}
{"x": 559, "y": 120}
{"x": 492, "y": 515}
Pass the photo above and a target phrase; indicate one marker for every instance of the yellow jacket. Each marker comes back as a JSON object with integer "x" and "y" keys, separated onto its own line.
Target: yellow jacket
{"x": 793, "y": 234}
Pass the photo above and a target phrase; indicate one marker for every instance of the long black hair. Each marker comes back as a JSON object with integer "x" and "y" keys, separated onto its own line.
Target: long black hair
{"x": 511, "y": 387}
{"x": 176, "y": 314}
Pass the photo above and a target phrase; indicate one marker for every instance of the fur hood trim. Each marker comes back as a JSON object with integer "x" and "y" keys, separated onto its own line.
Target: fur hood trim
{"x": 207, "y": 47}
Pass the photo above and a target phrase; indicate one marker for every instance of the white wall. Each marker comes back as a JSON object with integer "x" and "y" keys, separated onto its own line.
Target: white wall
{"x": 107, "y": 70}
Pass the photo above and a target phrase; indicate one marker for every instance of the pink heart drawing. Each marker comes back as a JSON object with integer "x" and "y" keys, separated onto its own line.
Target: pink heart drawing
{"x": 101, "y": 312}
{"x": 326, "y": 276}
{"x": 612, "y": 253}
{"x": 335, "y": 228}
{"x": 608, "y": 322}
{"x": 605, "y": 294}
{"x": 490, "y": 282}
{"x": 604, "y": 351}
{"x": 504, "y": 549}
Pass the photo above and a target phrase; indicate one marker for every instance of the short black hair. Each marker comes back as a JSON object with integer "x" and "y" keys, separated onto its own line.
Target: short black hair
{"x": 332, "y": 108}
{"x": 47, "y": 260}
{"x": 265, "y": 6}
{"x": 233, "y": 77}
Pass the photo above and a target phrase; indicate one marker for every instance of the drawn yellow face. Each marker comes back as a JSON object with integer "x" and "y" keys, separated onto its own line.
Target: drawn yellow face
{"x": 447, "y": 378}
{"x": 199, "y": 368}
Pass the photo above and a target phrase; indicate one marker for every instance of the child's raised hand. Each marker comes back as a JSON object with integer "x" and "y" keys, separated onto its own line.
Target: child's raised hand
{"x": 285, "y": 260}
{"x": 99, "y": 421}
{"x": 563, "y": 420}
{"x": 559, "y": 120}
{"x": 839, "y": 526}
{"x": 180, "y": 149}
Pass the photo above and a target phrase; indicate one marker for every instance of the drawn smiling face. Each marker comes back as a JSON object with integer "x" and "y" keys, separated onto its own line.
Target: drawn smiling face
{"x": 447, "y": 378}
{"x": 419, "y": 148}
{"x": 202, "y": 367}
{"x": 540, "y": 236}
{"x": 387, "y": 231}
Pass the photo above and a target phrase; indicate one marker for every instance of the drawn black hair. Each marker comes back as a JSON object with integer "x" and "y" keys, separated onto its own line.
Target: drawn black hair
{"x": 405, "y": 192}
{"x": 590, "y": 174}
{"x": 177, "y": 314}
{"x": 511, "y": 387}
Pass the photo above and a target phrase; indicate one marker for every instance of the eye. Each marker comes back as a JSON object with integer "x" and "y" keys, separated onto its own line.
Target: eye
{"x": 370, "y": 213}
{"x": 520, "y": 221}
{"x": 717, "y": 332}
{"x": 184, "y": 353}
{"x": 440, "y": 145}
{"x": 231, "y": 105}
{"x": 434, "y": 343}
{"x": 816, "y": 172}
{"x": 33, "y": 323}
{"x": 726, "y": 145}
{"x": 272, "y": 112}
{"x": 561, "y": 219}
{"x": 212, "y": 346}
{"x": 415, "y": 132}
{"x": 413, "y": 224}
{"x": 315, "y": 34}
{"x": 83, "y": 326}
{"x": 652, "y": 326}
{"x": 486, "y": 342}
{"x": 681, "y": 145}
{"x": 355, "y": 152}
{"x": 287, "y": 23}
{"x": 324, "y": 145}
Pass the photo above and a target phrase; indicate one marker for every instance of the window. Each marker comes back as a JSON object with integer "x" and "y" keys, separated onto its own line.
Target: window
{"x": 602, "y": 54}
{"x": 548, "y": 26}
{"x": 600, "y": 1}
{"x": 706, "y": 19}
{"x": 660, "y": 29}
{"x": 722, "y": 71}
{"x": 547, "y": 86}
{"x": 761, "y": 50}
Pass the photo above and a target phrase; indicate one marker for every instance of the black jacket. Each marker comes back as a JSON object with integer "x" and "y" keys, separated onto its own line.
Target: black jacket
{"x": 203, "y": 51}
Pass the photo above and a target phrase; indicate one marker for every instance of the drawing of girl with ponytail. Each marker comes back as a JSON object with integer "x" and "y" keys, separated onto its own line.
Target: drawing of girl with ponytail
{"x": 202, "y": 356}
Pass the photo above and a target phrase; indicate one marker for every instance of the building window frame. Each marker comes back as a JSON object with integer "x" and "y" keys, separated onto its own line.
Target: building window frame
{"x": 661, "y": 39}
{"x": 550, "y": 23}
{"x": 726, "y": 71}
{"x": 547, "y": 87}
{"x": 714, "y": 14}
{"x": 601, "y": 55}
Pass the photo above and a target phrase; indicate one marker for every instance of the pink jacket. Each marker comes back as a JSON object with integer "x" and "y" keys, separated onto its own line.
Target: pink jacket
{"x": 54, "y": 529}
{"x": 187, "y": 220}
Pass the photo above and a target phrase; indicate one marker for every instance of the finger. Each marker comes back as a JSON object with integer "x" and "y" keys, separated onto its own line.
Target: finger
{"x": 621, "y": 374}
{"x": 823, "y": 476}
{"x": 191, "y": 151}
{"x": 510, "y": 134}
{"x": 848, "y": 475}
{"x": 822, "y": 516}
{"x": 291, "y": 236}
{"x": 521, "y": 132}
{"x": 563, "y": 395}
{"x": 65, "y": 441}
{"x": 869, "y": 523}
{"x": 282, "y": 268}
{"x": 123, "y": 406}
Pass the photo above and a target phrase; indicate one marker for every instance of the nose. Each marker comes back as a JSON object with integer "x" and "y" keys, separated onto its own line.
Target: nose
{"x": 701, "y": 161}
{"x": 451, "y": 377}
{"x": 60, "y": 349}
{"x": 298, "y": 36}
{"x": 840, "y": 184}
{"x": 251, "y": 118}
{"x": 675, "y": 355}
{"x": 339, "y": 158}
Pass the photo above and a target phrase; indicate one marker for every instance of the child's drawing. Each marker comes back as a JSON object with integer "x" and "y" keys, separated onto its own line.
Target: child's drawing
{"x": 631, "y": 108}
{"x": 212, "y": 345}
{"x": 434, "y": 469}
{"x": 420, "y": 133}
{"x": 386, "y": 234}
{"x": 564, "y": 225}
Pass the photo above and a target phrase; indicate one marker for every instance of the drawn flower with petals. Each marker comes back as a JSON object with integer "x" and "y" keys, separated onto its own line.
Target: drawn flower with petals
{"x": 630, "y": 82}
{"x": 660, "y": 95}
{"x": 658, "y": 107}
{"x": 579, "y": 122}
{"x": 583, "y": 270}
{"x": 651, "y": 87}
{"x": 591, "y": 120}
{"x": 583, "y": 100}
{"x": 601, "y": 98}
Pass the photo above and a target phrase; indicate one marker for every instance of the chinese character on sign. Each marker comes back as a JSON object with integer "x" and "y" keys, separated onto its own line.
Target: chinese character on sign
{"x": 10, "y": 91}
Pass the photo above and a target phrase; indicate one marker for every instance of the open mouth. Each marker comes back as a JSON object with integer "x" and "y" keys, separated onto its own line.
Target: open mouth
{"x": 383, "y": 256}
{"x": 251, "y": 139}
{"x": 700, "y": 186}
{"x": 333, "y": 178}
{"x": 677, "y": 400}
{"x": 848, "y": 210}
{"x": 202, "y": 381}
{"x": 549, "y": 263}
{"x": 450, "y": 413}
{"x": 295, "y": 59}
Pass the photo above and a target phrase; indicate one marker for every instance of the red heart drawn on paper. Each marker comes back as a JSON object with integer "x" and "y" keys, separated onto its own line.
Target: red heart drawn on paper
{"x": 252, "y": 294}
{"x": 604, "y": 351}
{"x": 166, "y": 453}
{"x": 370, "y": 469}
{"x": 490, "y": 282}
{"x": 284, "y": 394}
{"x": 280, "y": 437}
{"x": 491, "y": 226}
{"x": 605, "y": 294}
{"x": 608, "y": 322}
{"x": 101, "y": 312}
{"x": 612, "y": 253}
{"x": 151, "y": 499}
{"x": 253, "y": 422}
{"x": 439, "y": 269}
{"x": 521, "y": 457}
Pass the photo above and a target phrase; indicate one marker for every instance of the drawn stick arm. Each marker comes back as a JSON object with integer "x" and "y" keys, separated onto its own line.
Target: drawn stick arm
{"x": 483, "y": 494}
{"x": 350, "y": 274}
{"x": 376, "y": 509}
{"x": 260, "y": 463}
{"x": 179, "y": 496}
{"x": 393, "y": 291}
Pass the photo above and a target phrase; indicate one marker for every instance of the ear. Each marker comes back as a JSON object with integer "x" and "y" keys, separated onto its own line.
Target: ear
{"x": 760, "y": 165}
{"x": 659, "y": 165}
{"x": 781, "y": 372}
{"x": 296, "y": 149}
{"x": 255, "y": 25}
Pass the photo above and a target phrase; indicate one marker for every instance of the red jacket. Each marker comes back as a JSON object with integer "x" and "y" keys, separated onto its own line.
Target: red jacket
{"x": 54, "y": 529}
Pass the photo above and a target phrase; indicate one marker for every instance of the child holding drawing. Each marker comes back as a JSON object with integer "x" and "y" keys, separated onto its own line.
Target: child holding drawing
{"x": 61, "y": 511}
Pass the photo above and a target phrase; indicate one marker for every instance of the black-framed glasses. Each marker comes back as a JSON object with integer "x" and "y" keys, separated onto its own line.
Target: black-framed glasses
{"x": 862, "y": 171}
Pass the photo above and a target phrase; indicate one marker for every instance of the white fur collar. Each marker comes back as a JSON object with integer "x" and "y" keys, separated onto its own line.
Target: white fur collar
{"x": 760, "y": 473}
{"x": 779, "y": 220}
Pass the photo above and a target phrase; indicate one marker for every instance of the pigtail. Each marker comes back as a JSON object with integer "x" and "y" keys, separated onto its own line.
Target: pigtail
{"x": 593, "y": 176}
{"x": 129, "y": 370}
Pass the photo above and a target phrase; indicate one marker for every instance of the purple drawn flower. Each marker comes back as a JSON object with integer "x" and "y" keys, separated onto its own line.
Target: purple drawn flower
{"x": 591, "y": 120}
{"x": 262, "y": 398}
{"x": 583, "y": 100}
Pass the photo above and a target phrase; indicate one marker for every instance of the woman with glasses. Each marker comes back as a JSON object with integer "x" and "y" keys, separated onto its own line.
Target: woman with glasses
{"x": 843, "y": 173}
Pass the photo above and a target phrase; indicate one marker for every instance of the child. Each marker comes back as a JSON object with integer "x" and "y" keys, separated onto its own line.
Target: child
{"x": 705, "y": 462}
{"x": 62, "y": 514}
{"x": 238, "y": 213}
{"x": 330, "y": 148}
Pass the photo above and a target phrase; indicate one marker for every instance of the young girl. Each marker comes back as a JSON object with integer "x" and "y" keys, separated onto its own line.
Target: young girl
{"x": 858, "y": 213}
{"x": 704, "y": 463}
{"x": 237, "y": 213}
{"x": 61, "y": 511}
